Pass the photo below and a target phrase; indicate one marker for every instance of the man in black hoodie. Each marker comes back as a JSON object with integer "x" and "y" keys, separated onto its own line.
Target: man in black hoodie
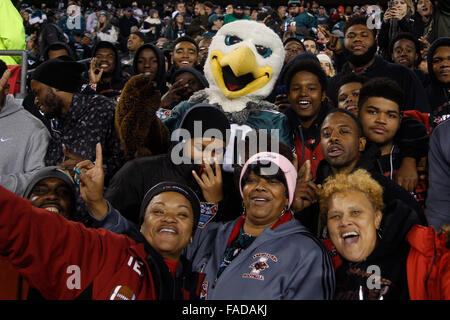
{"x": 181, "y": 164}
{"x": 360, "y": 50}
{"x": 345, "y": 149}
{"x": 149, "y": 60}
{"x": 438, "y": 91}
{"x": 105, "y": 73}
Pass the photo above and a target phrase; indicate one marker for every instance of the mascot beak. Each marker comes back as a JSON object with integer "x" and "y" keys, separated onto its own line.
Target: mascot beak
{"x": 237, "y": 73}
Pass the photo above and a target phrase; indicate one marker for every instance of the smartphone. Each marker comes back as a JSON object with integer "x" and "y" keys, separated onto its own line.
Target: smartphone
{"x": 391, "y": 4}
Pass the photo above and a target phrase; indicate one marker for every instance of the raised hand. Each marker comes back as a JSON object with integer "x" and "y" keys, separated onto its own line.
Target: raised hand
{"x": 282, "y": 102}
{"x": 426, "y": 46}
{"x": 95, "y": 73}
{"x": 306, "y": 191}
{"x": 210, "y": 182}
{"x": 334, "y": 43}
{"x": 91, "y": 178}
{"x": 72, "y": 160}
{"x": 175, "y": 93}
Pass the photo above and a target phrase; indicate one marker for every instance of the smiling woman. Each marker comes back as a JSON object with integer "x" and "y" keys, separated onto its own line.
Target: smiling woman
{"x": 265, "y": 253}
{"x": 370, "y": 240}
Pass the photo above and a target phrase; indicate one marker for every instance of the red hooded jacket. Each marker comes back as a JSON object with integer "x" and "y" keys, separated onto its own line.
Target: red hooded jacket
{"x": 428, "y": 265}
{"x": 62, "y": 258}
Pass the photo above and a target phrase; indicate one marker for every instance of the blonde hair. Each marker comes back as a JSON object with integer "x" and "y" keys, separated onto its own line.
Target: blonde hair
{"x": 360, "y": 180}
{"x": 410, "y": 5}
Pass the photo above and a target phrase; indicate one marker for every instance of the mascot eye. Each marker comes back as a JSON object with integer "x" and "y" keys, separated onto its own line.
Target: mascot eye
{"x": 264, "y": 51}
{"x": 230, "y": 40}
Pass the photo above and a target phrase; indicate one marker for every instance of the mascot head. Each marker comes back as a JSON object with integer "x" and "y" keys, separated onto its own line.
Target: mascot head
{"x": 244, "y": 60}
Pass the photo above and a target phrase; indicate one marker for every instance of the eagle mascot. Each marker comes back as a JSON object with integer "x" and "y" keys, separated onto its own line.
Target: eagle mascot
{"x": 244, "y": 61}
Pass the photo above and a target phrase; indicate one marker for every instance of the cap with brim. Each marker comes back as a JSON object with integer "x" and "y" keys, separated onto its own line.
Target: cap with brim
{"x": 281, "y": 162}
{"x": 214, "y": 17}
{"x": 47, "y": 173}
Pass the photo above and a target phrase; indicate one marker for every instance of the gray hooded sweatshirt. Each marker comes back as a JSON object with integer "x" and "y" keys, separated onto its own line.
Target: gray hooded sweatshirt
{"x": 23, "y": 144}
{"x": 284, "y": 263}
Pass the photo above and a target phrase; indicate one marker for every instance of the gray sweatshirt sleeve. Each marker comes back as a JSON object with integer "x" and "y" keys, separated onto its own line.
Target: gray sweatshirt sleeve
{"x": 113, "y": 221}
{"x": 438, "y": 198}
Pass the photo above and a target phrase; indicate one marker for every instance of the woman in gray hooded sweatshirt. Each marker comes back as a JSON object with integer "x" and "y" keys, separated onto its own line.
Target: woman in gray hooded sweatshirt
{"x": 265, "y": 254}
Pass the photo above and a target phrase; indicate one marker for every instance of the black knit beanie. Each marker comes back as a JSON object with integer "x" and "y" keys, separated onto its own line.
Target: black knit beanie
{"x": 210, "y": 117}
{"x": 176, "y": 187}
{"x": 62, "y": 73}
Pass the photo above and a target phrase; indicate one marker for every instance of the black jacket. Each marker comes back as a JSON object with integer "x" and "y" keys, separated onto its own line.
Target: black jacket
{"x": 129, "y": 186}
{"x": 438, "y": 93}
{"x": 114, "y": 88}
{"x": 390, "y": 256}
{"x": 309, "y": 217}
{"x": 416, "y": 98}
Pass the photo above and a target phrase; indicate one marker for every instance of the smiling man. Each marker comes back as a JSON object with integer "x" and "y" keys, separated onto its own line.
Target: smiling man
{"x": 185, "y": 53}
{"x": 360, "y": 51}
{"x": 105, "y": 74}
{"x": 306, "y": 83}
{"x": 79, "y": 121}
{"x": 53, "y": 189}
{"x": 49, "y": 188}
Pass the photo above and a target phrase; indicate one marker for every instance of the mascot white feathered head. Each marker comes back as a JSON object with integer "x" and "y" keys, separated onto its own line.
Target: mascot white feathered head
{"x": 244, "y": 60}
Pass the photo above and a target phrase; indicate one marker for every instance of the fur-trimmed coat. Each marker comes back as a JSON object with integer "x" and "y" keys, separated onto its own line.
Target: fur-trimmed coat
{"x": 140, "y": 131}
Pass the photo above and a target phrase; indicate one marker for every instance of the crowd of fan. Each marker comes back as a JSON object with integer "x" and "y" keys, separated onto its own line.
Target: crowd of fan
{"x": 364, "y": 91}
